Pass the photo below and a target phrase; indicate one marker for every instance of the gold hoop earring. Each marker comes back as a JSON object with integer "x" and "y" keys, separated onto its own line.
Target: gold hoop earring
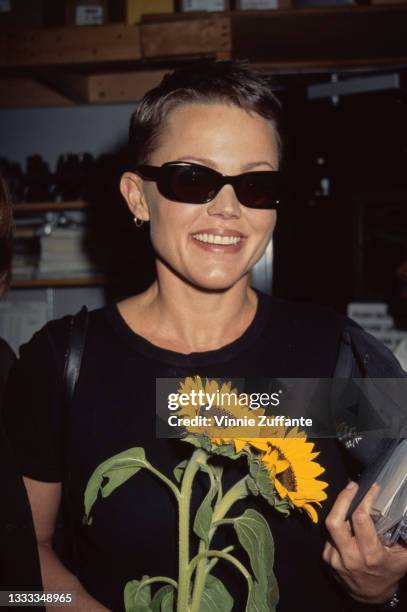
{"x": 138, "y": 222}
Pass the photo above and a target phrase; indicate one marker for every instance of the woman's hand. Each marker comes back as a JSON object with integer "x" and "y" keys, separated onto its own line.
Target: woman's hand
{"x": 369, "y": 570}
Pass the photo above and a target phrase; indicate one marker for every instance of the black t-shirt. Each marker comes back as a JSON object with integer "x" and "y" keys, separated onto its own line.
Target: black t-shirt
{"x": 134, "y": 530}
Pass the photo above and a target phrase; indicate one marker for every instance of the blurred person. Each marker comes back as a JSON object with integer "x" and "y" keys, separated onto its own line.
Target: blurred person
{"x": 19, "y": 563}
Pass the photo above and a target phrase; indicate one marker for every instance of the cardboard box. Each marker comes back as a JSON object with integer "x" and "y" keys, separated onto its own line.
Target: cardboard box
{"x": 107, "y": 87}
{"x": 21, "y": 13}
{"x": 73, "y": 45}
{"x": 204, "y": 5}
{"x": 131, "y": 11}
{"x": 249, "y": 5}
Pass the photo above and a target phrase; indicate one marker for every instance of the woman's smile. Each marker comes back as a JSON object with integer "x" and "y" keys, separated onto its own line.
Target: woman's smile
{"x": 218, "y": 240}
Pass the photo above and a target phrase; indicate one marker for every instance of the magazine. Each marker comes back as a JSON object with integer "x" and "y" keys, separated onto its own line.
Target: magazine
{"x": 389, "y": 510}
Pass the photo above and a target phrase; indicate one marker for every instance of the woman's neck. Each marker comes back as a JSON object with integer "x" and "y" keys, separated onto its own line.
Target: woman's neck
{"x": 177, "y": 316}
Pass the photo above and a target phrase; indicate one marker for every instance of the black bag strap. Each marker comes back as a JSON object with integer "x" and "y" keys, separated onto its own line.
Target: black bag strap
{"x": 72, "y": 365}
{"x": 73, "y": 358}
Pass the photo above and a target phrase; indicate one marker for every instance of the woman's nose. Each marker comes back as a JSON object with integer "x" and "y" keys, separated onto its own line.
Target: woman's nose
{"x": 225, "y": 204}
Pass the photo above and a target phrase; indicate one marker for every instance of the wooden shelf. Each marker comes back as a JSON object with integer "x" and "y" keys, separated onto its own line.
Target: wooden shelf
{"x": 112, "y": 42}
{"x": 50, "y": 206}
{"x": 85, "y": 281}
{"x": 118, "y": 63}
{"x": 312, "y": 37}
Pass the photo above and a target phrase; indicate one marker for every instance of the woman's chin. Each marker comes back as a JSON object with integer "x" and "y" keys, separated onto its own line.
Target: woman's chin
{"x": 215, "y": 282}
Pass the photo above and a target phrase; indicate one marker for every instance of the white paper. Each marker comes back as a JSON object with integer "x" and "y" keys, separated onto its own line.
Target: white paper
{"x": 89, "y": 15}
{"x": 258, "y": 4}
{"x": 204, "y": 5}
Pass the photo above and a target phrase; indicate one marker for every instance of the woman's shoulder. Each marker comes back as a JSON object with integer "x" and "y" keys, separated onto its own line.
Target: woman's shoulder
{"x": 54, "y": 337}
{"x": 308, "y": 314}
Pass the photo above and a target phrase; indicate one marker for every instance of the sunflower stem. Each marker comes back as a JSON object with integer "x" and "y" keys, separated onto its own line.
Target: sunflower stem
{"x": 200, "y": 576}
{"x": 223, "y": 505}
{"x": 198, "y": 457}
{"x": 238, "y": 491}
{"x": 160, "y": 579}
{"x": 215, "y": 560}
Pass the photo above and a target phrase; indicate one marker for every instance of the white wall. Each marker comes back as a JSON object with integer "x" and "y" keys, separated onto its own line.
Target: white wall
{"x": 52, "y": 131}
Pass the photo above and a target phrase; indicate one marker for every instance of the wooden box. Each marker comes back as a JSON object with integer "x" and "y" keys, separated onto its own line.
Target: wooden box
{"x": 107, "y": 87}
{"x": 71, "y": 45}
{"x": 192, "y": 35}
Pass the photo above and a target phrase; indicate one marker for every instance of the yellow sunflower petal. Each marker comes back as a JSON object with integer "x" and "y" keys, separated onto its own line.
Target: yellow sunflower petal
{"x": 239, "y": 444}
{"x": 312, "y": 513}
{"x": 281, "y": 490}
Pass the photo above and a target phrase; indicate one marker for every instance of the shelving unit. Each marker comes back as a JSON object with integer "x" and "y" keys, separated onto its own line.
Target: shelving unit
{"x": 50, "y": 206}
{"x": 86, "y": 281}
{"x": 118, "y": 62}
{"x": 75, "y": 281}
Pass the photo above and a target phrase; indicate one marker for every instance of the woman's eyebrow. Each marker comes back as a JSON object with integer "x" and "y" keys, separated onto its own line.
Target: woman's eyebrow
{"x": 258, "y": 163}
{"x": 212, "y": 164}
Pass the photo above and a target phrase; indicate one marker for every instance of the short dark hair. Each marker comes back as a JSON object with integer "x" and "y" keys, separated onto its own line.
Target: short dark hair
{"x": 6, "y": 237}
{"x": 228, "y": 82}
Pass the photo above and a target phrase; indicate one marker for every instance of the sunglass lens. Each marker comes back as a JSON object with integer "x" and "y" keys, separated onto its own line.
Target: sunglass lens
{"x": 189, "y": 184}
{"x": 259, "y": 189}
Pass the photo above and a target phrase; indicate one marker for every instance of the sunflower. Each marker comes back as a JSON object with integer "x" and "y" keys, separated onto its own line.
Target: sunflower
{"x": 228, "y": 402}
{"x": 286, "y": 454}
{"x": 290, "y": 461}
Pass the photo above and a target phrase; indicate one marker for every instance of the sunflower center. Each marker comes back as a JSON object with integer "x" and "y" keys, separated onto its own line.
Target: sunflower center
{"x": 288, "y": 480}
{"x": 218, "y": 411}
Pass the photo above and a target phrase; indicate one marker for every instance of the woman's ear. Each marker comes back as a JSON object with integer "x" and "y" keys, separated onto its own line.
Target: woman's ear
{"x": 131, "y": 188}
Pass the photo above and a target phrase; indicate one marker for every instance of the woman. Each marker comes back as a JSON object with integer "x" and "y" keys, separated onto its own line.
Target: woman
{"x": 19, "y": 566}
{"x": 200, "y": 316}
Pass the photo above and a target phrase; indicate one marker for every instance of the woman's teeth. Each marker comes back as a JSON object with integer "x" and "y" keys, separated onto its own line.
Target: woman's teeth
{"x": 216, "y": 239}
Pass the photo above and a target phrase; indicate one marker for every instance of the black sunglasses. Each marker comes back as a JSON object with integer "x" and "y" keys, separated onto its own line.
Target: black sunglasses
{"x": 196, "y": 184}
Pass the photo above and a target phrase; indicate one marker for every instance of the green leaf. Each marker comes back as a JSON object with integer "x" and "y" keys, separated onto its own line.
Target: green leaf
{"x": 262, "y": 482}
{"x": 252, "y": 486}
{"x": 203, "y": 516}
{"x": 137, "y": 596}
{"x": 258, "y": 601}
{"x": 112, "y": 473}
{"x": 159, "y": 597}
{"x": 167, "y": 603}
{"x": 179, "y": 470}
{"x": 215, "y": 597}
{"x": 255, "y": 536}
{"x": 198, "y": 440}
{"x": 225, "y": 450}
